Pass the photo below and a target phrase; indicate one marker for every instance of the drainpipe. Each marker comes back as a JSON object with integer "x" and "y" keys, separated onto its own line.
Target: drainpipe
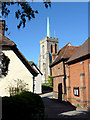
{"x": 64, "y": 79}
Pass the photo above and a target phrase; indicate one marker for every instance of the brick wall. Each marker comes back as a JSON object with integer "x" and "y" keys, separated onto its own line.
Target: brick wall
{"x": 77, "y": 76}
{"x": 58, "y": 75}
{"x": 88, "y": 85}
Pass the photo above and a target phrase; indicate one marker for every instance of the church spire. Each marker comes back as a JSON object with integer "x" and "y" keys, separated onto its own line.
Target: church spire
{"x": 48, "y": 28}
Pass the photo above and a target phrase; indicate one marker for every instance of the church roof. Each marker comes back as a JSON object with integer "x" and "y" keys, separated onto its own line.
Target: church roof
{"x": 6, "y": 42}
{"x": 83, "y": 51}
{"x": 64, "y": 54}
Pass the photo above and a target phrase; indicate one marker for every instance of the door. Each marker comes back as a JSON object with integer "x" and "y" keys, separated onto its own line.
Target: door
{"x": 60, "y": 92}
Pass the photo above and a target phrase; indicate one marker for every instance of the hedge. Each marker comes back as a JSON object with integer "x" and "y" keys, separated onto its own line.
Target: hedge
{"x": 23, "y": 106}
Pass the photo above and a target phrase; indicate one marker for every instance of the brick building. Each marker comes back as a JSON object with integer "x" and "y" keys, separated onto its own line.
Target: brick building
{"x": 58, "y": 69}
{"x": 78, "y": 76}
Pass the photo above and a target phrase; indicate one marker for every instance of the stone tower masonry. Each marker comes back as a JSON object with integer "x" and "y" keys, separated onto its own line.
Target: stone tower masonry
{"x": 48, "y": 48}
{"x": 48, "y": 51}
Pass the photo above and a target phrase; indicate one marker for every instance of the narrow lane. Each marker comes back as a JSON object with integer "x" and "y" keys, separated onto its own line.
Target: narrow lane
{"x": 59, "y": 110}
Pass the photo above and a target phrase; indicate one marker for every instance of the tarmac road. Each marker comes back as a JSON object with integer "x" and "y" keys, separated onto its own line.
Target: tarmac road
{"x": 61, "y": 110}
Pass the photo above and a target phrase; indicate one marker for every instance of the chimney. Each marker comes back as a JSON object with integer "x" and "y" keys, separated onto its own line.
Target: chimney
{"x": 2, "y": 27}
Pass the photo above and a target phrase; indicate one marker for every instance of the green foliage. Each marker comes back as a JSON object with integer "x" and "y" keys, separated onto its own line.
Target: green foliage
{"x": 78, "y": 105}
{"x": 24, "y": 11}
{"x": 23, "y": 106}
{"x": 47, "y": 85}
{"x": 50, "y": 80}
{"x": 30, "y": 61}
{"x": 17, "y": 87}
{"x": 4, "y": 64}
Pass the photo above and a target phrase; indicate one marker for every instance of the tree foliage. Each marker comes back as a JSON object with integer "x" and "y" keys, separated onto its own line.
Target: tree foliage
{"x": 4, "y": 64}
{"x": 24, "y": 11}
{"x": 17, "y": 87}
{"x": 50, "y": 80}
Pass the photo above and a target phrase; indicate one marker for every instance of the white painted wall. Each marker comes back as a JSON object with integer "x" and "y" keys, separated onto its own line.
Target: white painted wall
{"x": 38, "y": 84}
{"x": 17, "y": 70}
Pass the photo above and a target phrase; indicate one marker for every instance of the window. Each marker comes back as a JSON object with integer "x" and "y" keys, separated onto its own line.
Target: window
{"x": 51, "y": 49}
{"x": 44, "y": 67}
{"x": 76, "y": 91}
{"x": 43, "y": 49}
{"x": 55, "y": 48}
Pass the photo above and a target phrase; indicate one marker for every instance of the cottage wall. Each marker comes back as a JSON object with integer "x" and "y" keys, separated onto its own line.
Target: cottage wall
{"x": 16, "y": 70}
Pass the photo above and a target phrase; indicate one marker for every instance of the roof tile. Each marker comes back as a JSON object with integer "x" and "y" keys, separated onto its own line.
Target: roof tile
{"x": 66, "y": 52}
{"x": 82, "y": 51}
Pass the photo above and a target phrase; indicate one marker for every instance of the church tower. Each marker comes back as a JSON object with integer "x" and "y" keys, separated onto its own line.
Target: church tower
{"x": 48, "y": 51}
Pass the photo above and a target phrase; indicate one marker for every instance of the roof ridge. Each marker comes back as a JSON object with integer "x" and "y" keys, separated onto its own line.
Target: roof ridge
{"x": 81, "y": 51}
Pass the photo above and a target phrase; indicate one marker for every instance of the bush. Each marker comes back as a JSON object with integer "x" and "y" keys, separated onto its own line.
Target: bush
{"x": 24, "y": 105}
{"x": 50, "y": 80}
{"x": 46, "y": 88}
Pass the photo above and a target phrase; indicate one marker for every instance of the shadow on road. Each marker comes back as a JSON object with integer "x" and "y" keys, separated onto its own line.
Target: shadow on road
{"x": 57, "y": 110}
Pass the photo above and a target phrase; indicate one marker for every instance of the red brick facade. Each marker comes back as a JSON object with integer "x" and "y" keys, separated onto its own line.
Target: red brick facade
{"x": 71, "y": 74}
{"x": 78, "y": 76}
{"x": 58, "y": 71}
{"x": 58, "y": 75}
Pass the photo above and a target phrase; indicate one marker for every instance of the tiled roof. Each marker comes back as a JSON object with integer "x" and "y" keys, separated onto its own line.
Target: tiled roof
{"x": 33, "y": 64}
{"x": 6, "y": 41}
{"x": 82, "y": 51}
{"x": 65, "y": 53}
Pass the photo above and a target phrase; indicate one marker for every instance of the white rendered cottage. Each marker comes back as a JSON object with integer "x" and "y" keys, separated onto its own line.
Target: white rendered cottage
{"x": 37, "y": 81}
{"x": 20, "y": 72}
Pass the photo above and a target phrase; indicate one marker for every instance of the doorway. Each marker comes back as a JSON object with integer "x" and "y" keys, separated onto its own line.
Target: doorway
{"x": 60, "y": 91}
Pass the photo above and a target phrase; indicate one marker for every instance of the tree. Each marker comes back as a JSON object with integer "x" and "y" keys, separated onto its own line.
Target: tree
{"x": 50, "y": 80}
{"x": 24, "y": 12}
{"x": 17, "y": 87}
{"x": 4, "y": 63}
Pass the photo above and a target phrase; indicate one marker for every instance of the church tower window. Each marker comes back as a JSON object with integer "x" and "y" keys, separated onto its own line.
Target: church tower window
{"x": 55, "y": 48}
{"x": 43, "y": 49}
{"x": 51, "y": 49}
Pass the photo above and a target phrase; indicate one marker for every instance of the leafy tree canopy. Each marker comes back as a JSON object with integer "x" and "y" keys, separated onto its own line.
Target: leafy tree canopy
{"x": 24, "y": 11}
{"x": 4, "y": 64}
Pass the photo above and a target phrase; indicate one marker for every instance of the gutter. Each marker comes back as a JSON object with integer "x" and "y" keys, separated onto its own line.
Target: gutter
{"x": 78, "y": 59}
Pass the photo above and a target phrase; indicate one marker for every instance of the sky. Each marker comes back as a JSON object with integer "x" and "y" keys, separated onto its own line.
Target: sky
{"x": 68, "y": 23}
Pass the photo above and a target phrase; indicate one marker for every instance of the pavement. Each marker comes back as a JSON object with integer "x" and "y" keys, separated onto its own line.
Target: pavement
{"x": 62, "y": 110}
